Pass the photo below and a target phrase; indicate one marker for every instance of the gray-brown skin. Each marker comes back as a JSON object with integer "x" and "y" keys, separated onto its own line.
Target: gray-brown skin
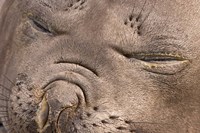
{"x": 100, "y": 66}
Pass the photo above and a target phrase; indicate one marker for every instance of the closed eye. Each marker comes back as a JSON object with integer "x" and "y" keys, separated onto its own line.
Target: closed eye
{"x": 161, "y": 63}
{"x": 157, "y": 57}
{"x": 40, "y": 26}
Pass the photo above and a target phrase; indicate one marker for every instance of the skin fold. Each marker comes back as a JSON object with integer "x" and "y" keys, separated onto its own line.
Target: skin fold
{"x": 100, "y": 66}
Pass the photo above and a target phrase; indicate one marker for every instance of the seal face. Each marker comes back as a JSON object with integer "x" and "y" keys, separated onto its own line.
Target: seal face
{"x": 90, "y": 66}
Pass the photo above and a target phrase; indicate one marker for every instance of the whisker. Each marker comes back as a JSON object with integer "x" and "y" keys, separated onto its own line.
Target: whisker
{"x": 5, "y": 111}
{"x": 3, "y": 96}
{"x": 133, "y": 10}
{"x": 136, "y": 122}
{"x": 6, "y": 124}
{"x": 3, "y": 116}
{"x": 5, "y": 87}
{"x": 9, "y": 80}
{"x": 4, "y": 99}
{"x": 146, "y": 17}
{"x": 132, "y": 13}
{"x": 3, "y": 106}
{"x": 141, "y": 10}
{"x": 4, "y": 119}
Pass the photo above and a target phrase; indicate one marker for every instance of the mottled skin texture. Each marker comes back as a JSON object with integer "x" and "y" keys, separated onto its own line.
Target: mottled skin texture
{"x": 100, "y": 66}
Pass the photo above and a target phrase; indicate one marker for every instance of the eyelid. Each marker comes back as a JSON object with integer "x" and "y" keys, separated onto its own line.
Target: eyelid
{"x": 40, "y": 26}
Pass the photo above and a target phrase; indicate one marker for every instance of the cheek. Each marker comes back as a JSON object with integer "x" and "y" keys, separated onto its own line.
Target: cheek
{"x": 27, "y": 36}
{"x": 24, "y": 34}
{"x": 135, "y": 92}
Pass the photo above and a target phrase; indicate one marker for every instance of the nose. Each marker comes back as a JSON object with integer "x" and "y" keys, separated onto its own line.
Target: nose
{"x": 60, "y": 103}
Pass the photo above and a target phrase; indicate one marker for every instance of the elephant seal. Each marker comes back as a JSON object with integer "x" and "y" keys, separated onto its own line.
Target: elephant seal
{"x": 100, "y": 66}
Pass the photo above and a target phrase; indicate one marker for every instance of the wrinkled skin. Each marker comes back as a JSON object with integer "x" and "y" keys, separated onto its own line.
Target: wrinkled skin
{"x": 100, "y": 66}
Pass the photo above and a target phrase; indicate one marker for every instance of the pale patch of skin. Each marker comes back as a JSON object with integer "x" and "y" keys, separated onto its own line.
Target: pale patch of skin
{"x": 127, "y": 65}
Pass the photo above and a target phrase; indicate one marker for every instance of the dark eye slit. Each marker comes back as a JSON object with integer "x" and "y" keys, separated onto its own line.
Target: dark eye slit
{"x": 40, "y": 26}
{"x": 149, "y": 59}
{"x": 152, "y": 56}
{"x": 156, "y": 57}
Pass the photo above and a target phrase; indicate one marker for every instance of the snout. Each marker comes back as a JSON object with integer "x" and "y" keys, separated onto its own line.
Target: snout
{"x": 60, "y": 103}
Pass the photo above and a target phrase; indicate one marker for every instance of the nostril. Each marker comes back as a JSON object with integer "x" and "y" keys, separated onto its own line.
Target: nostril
{"x": 63, "y": 94}
{"x": 64, "y": 101}
{"x": 42, "y": 114}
